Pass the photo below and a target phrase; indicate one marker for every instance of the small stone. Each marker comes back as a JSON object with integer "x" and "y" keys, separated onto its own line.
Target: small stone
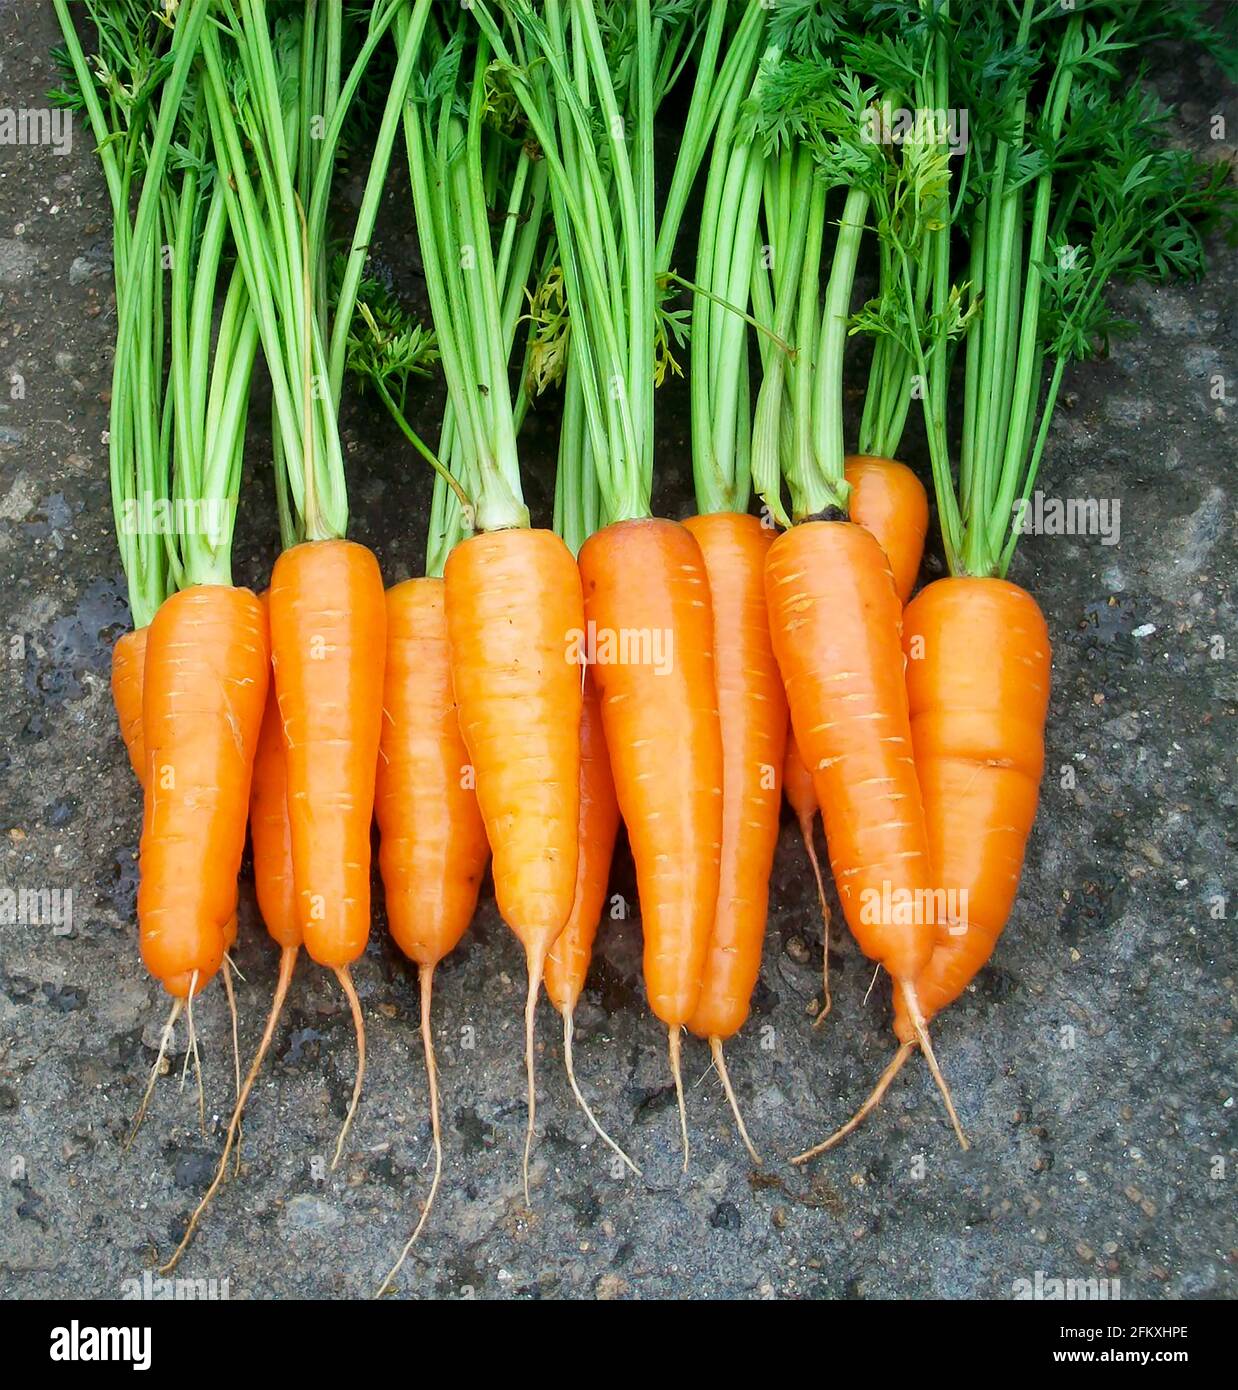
{"x": 306, "y": 1212}
{"x": 797, "y": 949}
{"x": 726, "y": 1217}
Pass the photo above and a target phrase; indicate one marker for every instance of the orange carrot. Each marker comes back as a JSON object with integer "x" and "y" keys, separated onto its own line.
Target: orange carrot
{"x": 890, "y": 501}
{"x": 273, "y": 881}
{"x": 513, "y": 601}
{"x": 568, "y": 961}
{"x": 433, "y": 850}
{"x": 128, "y": 668}
{"x": 328, "y": 643}
{"x": 978, "y": 732}
{"x": 204, "y": 689}
{"x": 835, "y": 621}
{"x": 567, "y": 965}
{"x": 646, "y": 589}
{"x": 752, "y": 712}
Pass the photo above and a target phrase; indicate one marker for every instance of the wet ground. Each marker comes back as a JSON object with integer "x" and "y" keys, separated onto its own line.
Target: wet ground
{"x": 1092, "y": 1062}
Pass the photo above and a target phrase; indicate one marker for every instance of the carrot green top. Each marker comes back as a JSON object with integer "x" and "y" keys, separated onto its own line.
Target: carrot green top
{"x": 813, "y": 113}
{"x": 278, "y": 96}
{"x": 1067, "y": 182}
{"x": 176, "y": 433}
{"x": 589, "y": 78}
{"x": 475, "y": 288}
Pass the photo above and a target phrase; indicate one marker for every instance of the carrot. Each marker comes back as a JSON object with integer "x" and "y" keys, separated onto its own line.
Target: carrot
{"x": 433, "y": 849}
{"x": 328, "y": 642}
{"x": 568, "y": 961}
{"x": 567, "y": 965}
{"x": 271, "y": 833}
{"x": 271, "y": 840}
{"x": 976, "y": 692}
{"x": 834, "y": 617}
{"x": 644, "y": 578}
{"x": 833, "y": 607}
{"x": 170, "y": 433}
{"x": 978, "y": 732}
{"x": 205, "y": 686}
{"x": 752, "y": 711}
{"x": 512, "y": 592}
{"x": 519, "y": 699}
{"x": 645, "y": 582}
{"x": 128, "y": 670}
{"x": 890, "y": 501}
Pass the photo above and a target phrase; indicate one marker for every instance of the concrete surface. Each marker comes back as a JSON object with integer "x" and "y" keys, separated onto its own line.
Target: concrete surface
{"x": 1093, "y": 1062}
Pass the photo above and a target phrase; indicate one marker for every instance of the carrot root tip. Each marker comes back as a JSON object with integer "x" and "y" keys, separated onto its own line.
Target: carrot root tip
{"x": 715, "y": 1048}
{"x": 879, "y": 1090}
{"x": 537, "y": 962}
{"x": 806, "y": 830}
{"x": 569, "y": 1029}
{"x": 915, "y": 1014}
{"x": 165, "y": 1037}
{"x": 287, "y": 962}
{"x": 672, "y": 1034}
{"x": 354, "y": 1004}
{"x": 426, "y": 978}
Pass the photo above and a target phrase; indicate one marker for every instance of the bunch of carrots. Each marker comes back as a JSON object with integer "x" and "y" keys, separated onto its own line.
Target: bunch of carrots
{"x": 539, "y": 686}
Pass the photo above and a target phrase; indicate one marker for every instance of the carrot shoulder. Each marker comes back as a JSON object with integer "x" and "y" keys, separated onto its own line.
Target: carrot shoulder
{"x": 890, "y": 501}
